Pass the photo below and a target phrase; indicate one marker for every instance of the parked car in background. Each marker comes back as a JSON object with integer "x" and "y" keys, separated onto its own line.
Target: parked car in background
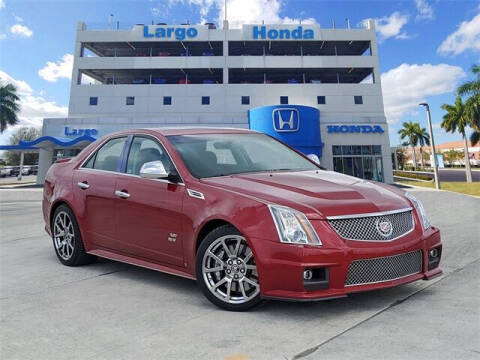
{"x": 15, "y": 171}
{"x": 242, "y": 213}
{"x": 4, "y": 172}
{"x": 33, "y": 170}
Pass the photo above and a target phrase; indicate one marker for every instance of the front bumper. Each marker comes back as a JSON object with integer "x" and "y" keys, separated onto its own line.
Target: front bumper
{"x": 281, "y": 266}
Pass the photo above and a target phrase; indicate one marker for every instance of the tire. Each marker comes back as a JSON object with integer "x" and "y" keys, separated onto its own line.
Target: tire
{"x": 229, "y": 278}
{"x": 69, "y": 246}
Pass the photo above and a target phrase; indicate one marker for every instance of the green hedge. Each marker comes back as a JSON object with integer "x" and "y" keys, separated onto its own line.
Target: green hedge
{"x": 413, "y": 175}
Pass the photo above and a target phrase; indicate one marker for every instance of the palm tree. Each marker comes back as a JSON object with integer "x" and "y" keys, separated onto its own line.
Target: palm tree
{"x": 9, "y": 106}
{"x": 457, "y": 119}
{"x": 472, "y": 104}
{"x": 409, "y": 131}
{"x": 423, "y": 139}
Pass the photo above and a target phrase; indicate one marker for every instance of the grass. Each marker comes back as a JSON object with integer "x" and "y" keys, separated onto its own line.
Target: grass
{"x": 460, "y": 187}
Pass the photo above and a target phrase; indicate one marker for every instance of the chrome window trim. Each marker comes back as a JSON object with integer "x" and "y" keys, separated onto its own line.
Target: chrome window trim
{"x": 81, "y": 167}
{"x": 381, "y": 213}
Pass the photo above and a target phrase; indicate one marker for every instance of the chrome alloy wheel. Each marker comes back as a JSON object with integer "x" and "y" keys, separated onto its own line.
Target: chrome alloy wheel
{"x": 229, "y": 270}
{"x": 63, "y": 235}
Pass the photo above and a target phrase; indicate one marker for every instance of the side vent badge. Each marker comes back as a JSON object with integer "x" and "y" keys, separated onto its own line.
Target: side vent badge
{"x": 195, "y": 194}
{"x": 172, "y": 237}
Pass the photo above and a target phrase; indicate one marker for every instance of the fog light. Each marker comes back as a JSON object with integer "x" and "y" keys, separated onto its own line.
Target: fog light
{"x": 433, "y": 253}
{"x": 307, "y": 274}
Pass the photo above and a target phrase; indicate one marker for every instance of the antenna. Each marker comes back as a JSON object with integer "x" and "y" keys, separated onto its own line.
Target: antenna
{"x": 110, "y": 21}
{"x": 348, "y": 23}
{"x": 225, "y": 10}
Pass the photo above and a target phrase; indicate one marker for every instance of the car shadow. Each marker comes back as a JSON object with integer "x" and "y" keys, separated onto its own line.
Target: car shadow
{"x": 368, "y": 301}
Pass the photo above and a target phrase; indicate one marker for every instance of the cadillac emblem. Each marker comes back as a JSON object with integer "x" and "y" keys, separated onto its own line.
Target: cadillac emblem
{"x": 384, "y": 227}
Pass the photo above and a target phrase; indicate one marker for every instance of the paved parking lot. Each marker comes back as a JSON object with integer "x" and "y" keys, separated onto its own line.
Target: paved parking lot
{"x": 111, "y": 310}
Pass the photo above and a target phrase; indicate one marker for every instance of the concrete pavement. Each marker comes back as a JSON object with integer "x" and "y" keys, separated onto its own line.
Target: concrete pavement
{"x": 110, "y": 310}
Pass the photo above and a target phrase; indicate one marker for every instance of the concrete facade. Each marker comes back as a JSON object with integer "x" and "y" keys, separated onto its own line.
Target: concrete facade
{"x": 103, "y": 59}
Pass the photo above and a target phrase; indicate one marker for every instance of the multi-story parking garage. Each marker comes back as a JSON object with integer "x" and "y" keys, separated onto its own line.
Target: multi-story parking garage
{"x": 317, "y": 89}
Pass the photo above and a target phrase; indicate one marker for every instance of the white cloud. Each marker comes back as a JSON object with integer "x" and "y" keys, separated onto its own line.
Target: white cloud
{"x": 242, "y": 12}
{"x": 407, "y": 85}
{"x": 466, "y": 37}
{"x": 21, "y": 30}
{"x": 424, "y": 10}
{"x": 53, "y": 71}
{"x": 34, "y": 107}
{"x": 2, "y": 4}
{"x": 155, "y": 11}
{"x": 391, "y": 26}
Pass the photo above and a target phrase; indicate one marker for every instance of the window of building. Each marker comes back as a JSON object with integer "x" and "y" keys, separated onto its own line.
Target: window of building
{"x": 93, "y": 100}
{"x": 245, "y": 100}
{"x": 363, "y": 161}
{"x": 284, "y": 100}
{"x": 321, "y": 100}
{"x": 358, "y": 100}
{"x": 130, "y": 100}
{"x": 167, "y": 100}
{"x": 205, "y": 100}
{"x": 108, "y": 156}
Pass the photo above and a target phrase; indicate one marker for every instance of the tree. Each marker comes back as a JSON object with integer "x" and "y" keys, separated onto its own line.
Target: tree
{"x": 23, "y": 134}
{"x": 456, "y": 120}
{"x": 452, "y": 155}
{"x": 409, "y": 131}
{"x": 9, "y": 106}
{"x": 472, "y": 103}
{"x": 423, "y": 139}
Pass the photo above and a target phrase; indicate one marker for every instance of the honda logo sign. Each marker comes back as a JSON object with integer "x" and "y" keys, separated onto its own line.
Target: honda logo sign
{"x": 286, "y": 120}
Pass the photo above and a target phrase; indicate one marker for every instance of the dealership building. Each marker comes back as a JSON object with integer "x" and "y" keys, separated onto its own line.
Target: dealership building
{"x": 317, "y": 89}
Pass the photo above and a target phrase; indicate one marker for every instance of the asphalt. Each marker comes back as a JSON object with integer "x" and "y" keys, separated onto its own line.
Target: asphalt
{"x": 450, "y": 175}
{"x": 111, "y": 310}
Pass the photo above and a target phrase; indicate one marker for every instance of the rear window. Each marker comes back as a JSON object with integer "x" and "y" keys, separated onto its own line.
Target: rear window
{"x": 108, "y": 156}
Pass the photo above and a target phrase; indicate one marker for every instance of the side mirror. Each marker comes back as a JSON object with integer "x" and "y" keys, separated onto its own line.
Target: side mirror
{"x": 153, "y": 170}
{"x": 314, "y": 158}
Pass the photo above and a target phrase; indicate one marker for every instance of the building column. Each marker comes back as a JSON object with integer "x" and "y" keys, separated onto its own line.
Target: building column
{"x": 45, "y": 160}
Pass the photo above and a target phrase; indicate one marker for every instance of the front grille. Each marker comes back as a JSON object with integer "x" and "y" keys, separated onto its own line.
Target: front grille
{"x": 367, "y": 271}
{"x": 368, "y": 227}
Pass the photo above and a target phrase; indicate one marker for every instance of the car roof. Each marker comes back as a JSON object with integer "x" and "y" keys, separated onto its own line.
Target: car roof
{"x": 167, "y": 131}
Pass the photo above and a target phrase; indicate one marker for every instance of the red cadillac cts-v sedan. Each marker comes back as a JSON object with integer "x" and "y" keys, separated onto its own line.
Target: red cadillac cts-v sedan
{"x": 245, "y": 215}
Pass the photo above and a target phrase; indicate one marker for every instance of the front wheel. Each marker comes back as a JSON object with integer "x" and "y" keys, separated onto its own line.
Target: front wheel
{"x": 226, "y": 270}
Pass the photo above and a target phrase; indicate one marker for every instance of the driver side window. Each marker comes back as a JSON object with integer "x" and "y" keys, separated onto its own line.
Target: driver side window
{"x": 143, "y": 150}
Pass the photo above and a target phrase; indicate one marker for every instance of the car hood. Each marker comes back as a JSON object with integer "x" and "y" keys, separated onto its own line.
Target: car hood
{"x": 318, "y": 194}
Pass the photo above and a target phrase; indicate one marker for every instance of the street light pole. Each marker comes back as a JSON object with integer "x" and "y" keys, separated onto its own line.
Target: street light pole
{"x": 432, "y": 143}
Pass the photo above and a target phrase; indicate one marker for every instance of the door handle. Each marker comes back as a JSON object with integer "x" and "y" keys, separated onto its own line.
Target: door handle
{"x": 122, "y": 194}
{"x": 83, "y": 185}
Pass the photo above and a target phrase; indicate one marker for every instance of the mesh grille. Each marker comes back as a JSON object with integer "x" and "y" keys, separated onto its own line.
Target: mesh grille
{"x": 368, "y": 271}
{"x": 374, "y": 228}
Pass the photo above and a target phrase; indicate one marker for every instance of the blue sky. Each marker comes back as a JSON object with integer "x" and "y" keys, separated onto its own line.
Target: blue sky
{"x": 426, "y": 47}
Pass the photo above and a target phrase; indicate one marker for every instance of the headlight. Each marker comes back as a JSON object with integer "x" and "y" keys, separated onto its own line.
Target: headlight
{"x": 293, "y": 226}
{"x": 420, "y": 210}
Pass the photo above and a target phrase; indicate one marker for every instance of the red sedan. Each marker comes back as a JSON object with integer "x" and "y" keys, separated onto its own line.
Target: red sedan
{"x": 243, "y": 214}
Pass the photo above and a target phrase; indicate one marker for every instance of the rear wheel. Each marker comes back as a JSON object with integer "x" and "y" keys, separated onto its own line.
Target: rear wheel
{"x": 226, "y": 270}
{"x": 67, "y": 240}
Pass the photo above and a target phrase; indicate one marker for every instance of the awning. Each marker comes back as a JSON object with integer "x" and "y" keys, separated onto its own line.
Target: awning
{"x": 50, "y": 142}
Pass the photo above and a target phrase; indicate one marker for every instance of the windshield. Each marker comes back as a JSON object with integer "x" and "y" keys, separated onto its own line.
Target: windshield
{"x": 209, "y": 155}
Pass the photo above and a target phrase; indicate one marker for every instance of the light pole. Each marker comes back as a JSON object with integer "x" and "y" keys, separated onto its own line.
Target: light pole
{"x": 432, "y": 143}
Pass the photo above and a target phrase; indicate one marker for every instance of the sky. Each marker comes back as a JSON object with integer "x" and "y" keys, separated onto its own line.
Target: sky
{"x": 426, "y": 47}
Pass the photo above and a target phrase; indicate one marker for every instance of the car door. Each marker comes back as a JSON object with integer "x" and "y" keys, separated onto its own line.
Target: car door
{"x": 94, "y": 184}
{"x": 149, "y": 211}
